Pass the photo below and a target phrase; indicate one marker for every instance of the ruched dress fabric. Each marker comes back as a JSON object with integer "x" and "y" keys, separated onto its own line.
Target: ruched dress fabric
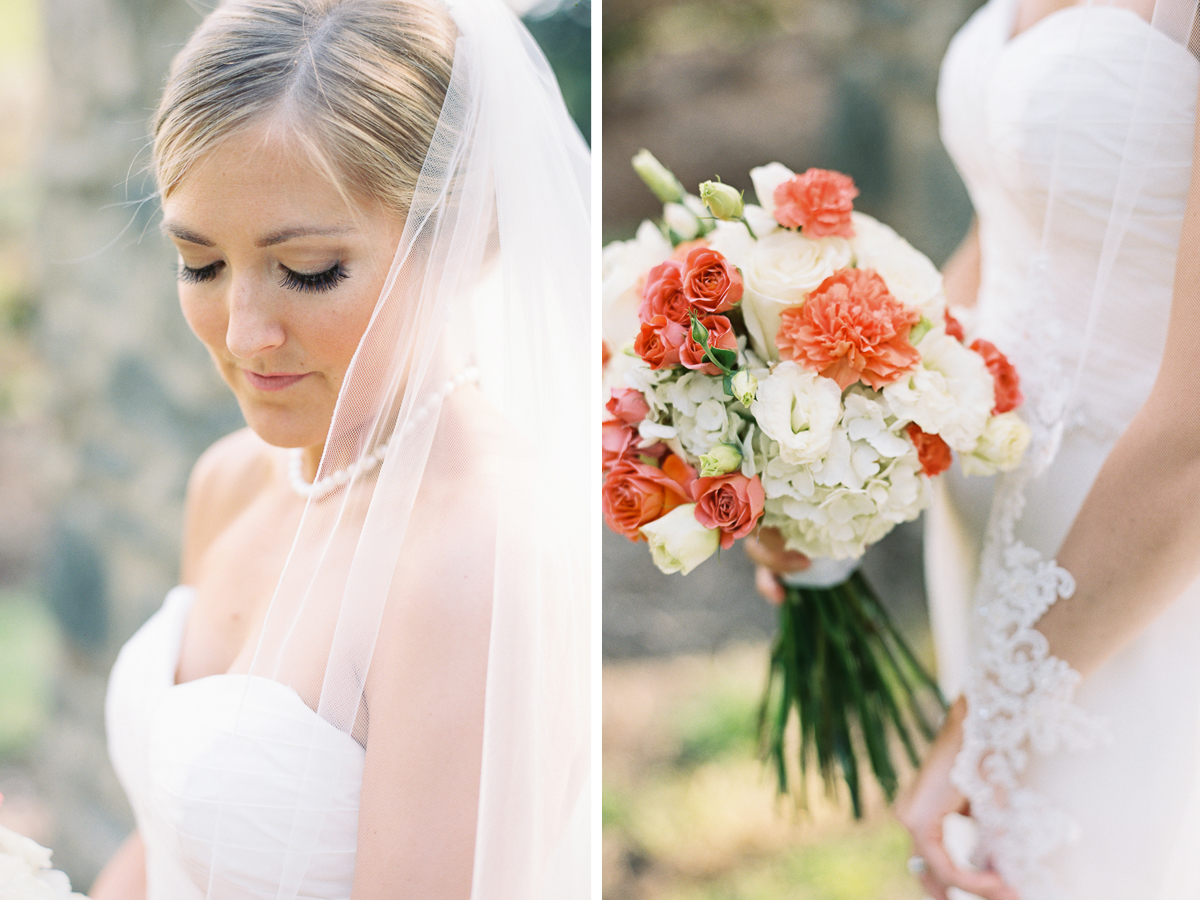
{"x": 221, "y": 762}
{"x": 1039, "y": 127}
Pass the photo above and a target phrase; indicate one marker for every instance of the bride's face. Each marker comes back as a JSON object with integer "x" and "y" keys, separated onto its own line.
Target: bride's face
{"x": 278, "y": 277}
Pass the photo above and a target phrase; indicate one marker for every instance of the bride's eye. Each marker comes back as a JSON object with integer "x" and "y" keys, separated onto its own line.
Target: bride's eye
{"x": 317, "y": 281}
{"x": 189, "y": 275}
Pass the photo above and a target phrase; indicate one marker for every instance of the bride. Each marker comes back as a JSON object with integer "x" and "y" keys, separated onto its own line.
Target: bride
{"x": 373, "y": 679}
{"x": 1074, "y": 748}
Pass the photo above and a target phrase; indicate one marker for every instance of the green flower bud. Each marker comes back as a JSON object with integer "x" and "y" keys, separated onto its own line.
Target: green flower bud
{"x": 745, "y": 387}
{"x": 722, "y": 201}
{"x": 720, "y": 460}
{"x": 658, "y": 178}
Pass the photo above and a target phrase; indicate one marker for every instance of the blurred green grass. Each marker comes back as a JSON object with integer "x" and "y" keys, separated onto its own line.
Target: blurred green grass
{"x": 691, "y": 813}
{"x": 28, "y": 655}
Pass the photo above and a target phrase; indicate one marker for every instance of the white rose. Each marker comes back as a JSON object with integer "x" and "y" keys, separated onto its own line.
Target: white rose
{"x": 950, "y": 393}
{"x": 765, "y": 179}
{"x": 678, "y": 543}
{"x": 623, "y": 263}
{"x": 1000, "y": 447}
{"x": 800, "y": 410}
{"x": 910, "y": 275}
{"x": 779, "y": 272}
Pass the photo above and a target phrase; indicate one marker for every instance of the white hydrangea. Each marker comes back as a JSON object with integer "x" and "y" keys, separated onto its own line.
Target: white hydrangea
{"x": 701, "y": 413}
{"x": 800, "y": 410}
{"x": 840, "y": 522}
{"x": 950, "y": 393}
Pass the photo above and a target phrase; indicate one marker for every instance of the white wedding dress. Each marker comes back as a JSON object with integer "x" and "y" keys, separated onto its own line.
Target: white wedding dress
{"x": 1037, "y": 122}
{"x": 196, "y": 782}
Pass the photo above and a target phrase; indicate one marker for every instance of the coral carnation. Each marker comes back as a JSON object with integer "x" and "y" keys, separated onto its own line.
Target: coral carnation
{"x": 1004, "y": 376}
{"x": 851, "y": 329}
{"x": 932, "y": 452}
{"x": 819, "y": 203}
{"x": 954, "y": 327}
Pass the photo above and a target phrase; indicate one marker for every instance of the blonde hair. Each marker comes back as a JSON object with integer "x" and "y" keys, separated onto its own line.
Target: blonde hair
{"x": 359, "y": 84}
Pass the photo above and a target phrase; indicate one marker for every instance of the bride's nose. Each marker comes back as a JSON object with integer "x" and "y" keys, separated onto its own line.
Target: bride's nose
{"x": 254, "y": 325}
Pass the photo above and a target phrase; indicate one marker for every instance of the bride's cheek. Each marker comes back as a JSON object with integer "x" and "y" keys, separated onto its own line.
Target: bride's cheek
{"x": 207, "y": 321}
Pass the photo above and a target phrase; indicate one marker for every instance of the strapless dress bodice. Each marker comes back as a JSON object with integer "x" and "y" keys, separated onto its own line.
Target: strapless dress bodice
{"x": 239, "y": 789}
{"x": 1074, "y": 139}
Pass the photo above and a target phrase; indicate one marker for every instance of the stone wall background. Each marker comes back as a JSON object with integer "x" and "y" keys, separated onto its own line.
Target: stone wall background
{"x": 714, "y": 88}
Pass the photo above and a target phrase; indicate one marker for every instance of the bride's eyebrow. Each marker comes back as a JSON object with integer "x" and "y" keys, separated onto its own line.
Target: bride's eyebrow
{"x": 279, "y": 237}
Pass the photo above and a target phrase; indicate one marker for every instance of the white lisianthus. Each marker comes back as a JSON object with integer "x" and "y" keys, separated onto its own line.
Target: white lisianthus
{"x": 721, "y": 459}
{"x": 658, "y": 178}
{"x": 1000, "y": 447}
{"x": 681, "y": 220}
{"x": 765, "y": 179}
{"x": 745, "y": 386}
{"x": 779, "y": 273}
{"x": 800, "y": 410}
{"x": 909, "y": 274}
{"x": 623, "y": 264}
{"x": 723, "y": 201}
{"x": 950, "y": 393}
{"x": 678, "y": 543}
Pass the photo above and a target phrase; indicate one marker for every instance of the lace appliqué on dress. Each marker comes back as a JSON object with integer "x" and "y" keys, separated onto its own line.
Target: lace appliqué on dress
{"x": 1020, "y": 699}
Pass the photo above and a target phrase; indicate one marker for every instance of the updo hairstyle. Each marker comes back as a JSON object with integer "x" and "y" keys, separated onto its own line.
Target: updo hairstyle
{"x": 358, "y": 84}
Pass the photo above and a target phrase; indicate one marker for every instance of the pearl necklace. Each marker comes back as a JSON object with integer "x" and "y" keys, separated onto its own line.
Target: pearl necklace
{"x": 373, "y": 457}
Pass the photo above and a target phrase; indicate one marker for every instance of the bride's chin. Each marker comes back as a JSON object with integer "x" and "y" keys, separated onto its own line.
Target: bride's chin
{"x": 285, "y": 429}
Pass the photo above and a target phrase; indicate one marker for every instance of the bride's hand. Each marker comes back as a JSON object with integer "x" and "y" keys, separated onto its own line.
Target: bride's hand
{"x": 773, "y": 558}
{"x": 922, "y": 810}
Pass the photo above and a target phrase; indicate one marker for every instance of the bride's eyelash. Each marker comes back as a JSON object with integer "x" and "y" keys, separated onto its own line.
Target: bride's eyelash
{"x": 317, "y": 281}
{"x": 197, "y": 276}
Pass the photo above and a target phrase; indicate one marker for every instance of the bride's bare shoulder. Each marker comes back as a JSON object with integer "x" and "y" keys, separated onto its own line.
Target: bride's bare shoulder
{"x": 225, "y": 480}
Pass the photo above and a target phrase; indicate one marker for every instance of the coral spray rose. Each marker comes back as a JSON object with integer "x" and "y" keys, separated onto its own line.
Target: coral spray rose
{"x": 932, "y": 452}
{"x": 662, "y": 294}
{"x": 851, "y": 329}
{"x": 628, "y": 405}
{"x": 730, "y": 503}
{"x": 1008, "y": 384}
{"x": 710, "y": 283}
{"x": 659, "y": 341}
{"x": 819, "y": 203}
{"x": 720, "y": 336}
{"x": 635, "y": 493}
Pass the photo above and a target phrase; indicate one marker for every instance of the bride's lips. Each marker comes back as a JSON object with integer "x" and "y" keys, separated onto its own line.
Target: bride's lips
{"x": 272, "y": 382}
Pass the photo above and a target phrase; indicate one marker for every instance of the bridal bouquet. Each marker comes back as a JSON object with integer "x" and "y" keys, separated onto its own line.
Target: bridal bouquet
{"x": 25, "y": 872}
{"x": 793, "y": 365}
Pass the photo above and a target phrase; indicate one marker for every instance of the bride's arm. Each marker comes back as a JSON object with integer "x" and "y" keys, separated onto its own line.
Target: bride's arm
{"x": 1134, "y": 545}
{"x": 124, "y": 876}
{"x": 960, "y": 273}
{"x": 425, "y": 695}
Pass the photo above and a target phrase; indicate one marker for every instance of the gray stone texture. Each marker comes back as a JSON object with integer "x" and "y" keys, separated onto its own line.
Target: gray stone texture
{"x": 130, "y": 396}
